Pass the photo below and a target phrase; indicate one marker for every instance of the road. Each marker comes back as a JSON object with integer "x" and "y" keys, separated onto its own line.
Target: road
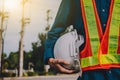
{"x": 57, "y": 77}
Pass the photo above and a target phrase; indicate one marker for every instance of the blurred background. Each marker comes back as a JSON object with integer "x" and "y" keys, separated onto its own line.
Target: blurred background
{"x": 23, "y": 28}
{"x": 36, "y": 10}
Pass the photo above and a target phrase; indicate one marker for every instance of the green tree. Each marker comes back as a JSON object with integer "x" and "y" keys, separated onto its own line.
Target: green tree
{"x": 4, "y": 62}
{"x": 27, "y": 59}
{"x": 12, "y": 60}
{"x": 37, "y": 53}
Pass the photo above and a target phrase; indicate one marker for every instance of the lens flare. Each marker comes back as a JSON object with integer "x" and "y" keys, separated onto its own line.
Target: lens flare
{"x": 11, "y": 4}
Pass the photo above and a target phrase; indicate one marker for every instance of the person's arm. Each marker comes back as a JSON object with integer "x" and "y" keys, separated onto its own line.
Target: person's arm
{"x": 62, "y": 21}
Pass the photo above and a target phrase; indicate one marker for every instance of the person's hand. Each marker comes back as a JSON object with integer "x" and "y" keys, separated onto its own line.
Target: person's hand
{"x": 55, "y": 63}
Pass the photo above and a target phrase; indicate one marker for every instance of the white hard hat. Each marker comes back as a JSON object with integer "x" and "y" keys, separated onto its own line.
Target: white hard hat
{"x": 67, "y": 48}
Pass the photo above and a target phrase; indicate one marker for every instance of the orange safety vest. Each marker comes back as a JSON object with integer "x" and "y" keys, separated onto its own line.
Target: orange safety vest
{"x": 102, "y": 50}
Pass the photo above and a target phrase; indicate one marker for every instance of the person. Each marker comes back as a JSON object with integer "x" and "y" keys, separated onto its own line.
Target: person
{"x": 99, "y": 22}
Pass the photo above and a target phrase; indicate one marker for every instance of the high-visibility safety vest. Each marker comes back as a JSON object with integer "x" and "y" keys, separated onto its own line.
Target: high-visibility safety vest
{"x": 102, "y": 50}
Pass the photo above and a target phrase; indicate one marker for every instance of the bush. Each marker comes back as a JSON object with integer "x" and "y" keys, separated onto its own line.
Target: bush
{"x": 7, "y": 74}
{"x": 32, "y": 74}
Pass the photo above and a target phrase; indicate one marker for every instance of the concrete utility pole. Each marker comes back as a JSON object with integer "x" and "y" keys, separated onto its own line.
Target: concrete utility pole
{"x": 21, "y": 51}
{"x": 3, "y": 15}
{"x": 1, "y": 38}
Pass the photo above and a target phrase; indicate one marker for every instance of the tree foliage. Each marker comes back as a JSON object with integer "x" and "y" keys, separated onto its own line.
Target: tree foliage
{"x": 37, "y": 53}
{"x": 12, "y": 60}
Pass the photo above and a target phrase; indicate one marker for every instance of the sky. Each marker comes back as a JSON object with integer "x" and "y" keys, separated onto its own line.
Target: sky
{"x": 36, "y": 11}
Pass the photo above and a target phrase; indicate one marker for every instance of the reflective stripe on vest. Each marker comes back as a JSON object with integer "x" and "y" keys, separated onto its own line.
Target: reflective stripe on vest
{"x": 100, "y": 49}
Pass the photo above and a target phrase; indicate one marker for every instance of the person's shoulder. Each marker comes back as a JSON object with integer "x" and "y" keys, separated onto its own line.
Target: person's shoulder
{"x": 75, "y": 1}
{"x": 68, "y": 1}
{"x": 71, "y": 2}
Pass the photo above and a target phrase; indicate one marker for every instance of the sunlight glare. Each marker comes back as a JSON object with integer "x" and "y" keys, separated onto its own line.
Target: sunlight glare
{"x": 11, "y": 4}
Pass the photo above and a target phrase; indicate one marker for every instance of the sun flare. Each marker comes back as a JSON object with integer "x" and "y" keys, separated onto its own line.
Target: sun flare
{"x": 11, "y": 4}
